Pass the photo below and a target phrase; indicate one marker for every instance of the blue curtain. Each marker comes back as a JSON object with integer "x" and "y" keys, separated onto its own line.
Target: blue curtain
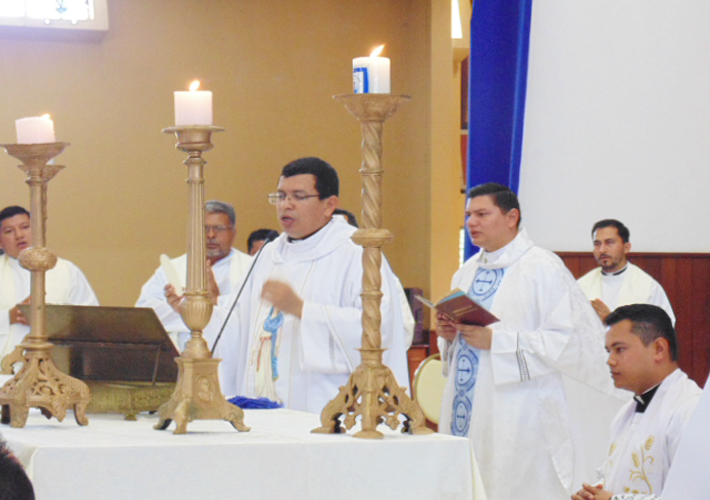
{"x": 498, "y": 67}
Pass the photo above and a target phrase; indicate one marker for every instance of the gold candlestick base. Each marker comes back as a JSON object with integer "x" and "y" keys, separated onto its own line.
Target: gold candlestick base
{"x": 197, "y": 393}
{"x": 198, "y": 396}
{"x": 373, "y": 394}
{"x": 39, "y": 383}
{"x": 372, "y": 391}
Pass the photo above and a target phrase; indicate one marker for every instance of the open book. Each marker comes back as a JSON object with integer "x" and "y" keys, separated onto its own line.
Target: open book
{"x": 461, "y": 308}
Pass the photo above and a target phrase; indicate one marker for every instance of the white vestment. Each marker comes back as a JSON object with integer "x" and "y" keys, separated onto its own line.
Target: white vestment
{"x": 688, "y": 477}
{"x": 643, "y": 444}
{"x": 525, "y": 441}
{"x": 64, "y": 284}
{"x": 227, "y": 271}
{"x": 636, "y": 287}
{"x": 316, "y": 354}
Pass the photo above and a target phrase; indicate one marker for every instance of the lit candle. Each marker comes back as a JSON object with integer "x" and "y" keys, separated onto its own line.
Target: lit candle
{"x": 371, "y": 75}
{"x": 35, "y": 130}
{"x": 193, "y": 107}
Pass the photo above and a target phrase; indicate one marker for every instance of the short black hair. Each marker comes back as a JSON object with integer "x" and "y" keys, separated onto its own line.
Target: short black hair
{"x": 620, "y": 228}
{"x": 503, "y": 197}
{"x": 649, "y": 323}
{"x": 258, "y": 235}
{"x": 349, "y": 216}
{"x": 327, "y": 183}
{"x": 14, "y": 483}
{"x": 12, "y": 211}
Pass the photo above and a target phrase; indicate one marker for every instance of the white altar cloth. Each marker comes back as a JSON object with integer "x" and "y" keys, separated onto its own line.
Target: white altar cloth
{"x": 279, "y": 458}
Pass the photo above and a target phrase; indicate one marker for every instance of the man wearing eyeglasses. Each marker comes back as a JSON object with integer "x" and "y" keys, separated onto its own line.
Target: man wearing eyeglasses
{"x": 296, "y": 328}
{"x": 227, "y": 264}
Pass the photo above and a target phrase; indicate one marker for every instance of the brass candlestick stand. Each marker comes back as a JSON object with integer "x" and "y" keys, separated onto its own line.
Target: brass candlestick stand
{"x": 39, "y": 382}
{"x": 372, "y": 391}
{"x": 197, "y": 394}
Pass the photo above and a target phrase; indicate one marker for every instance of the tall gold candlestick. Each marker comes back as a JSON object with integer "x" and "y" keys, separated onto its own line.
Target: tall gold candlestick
{"x": 372, "y": 391}
{"x": 39, "y": 383}
{"x": 197, "y": 394}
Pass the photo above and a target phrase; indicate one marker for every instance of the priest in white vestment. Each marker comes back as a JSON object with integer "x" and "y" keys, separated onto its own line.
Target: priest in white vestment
{"x": 227, "y": 264}
{"x": 617, "y": 282}
{"x": 295, "y": 330}
{"x": 645, "y": 434}
{"x": 64, "y": 284}
{"x": 505, "y": 388}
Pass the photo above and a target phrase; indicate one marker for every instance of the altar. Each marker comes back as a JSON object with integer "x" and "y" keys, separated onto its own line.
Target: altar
{"x": 279, "y": 458}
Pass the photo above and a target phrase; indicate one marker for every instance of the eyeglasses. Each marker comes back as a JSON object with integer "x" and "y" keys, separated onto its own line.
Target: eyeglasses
{"x": 278, "y": 198}
{"x": 217, "y": 229}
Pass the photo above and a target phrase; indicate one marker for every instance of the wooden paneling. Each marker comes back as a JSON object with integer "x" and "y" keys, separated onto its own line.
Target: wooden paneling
{"x": 415, "y": 356}
{"x": 686, "y": 279}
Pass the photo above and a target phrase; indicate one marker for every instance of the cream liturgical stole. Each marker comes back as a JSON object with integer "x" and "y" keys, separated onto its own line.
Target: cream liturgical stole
{"x": 631, "y": 287}
{"x": 15, "y": 287}
{"x": 7, "y": 284}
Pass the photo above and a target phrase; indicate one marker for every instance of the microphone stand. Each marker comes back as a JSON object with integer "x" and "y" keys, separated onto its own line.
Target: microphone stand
{"x": 271, "y": 237}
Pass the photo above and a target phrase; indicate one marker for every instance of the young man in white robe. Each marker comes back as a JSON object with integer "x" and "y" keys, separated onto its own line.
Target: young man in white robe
{"x": 295, "y": 330}
{"x": 227, "y": 264}
{"x": 505, "y": 388}
{"x": 618, "y": 282}
{"x": 65, "y": 283}
{"x": 646, "y": 432}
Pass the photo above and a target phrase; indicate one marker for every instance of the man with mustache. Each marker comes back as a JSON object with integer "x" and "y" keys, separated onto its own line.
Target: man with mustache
{"x": 65, "y": 283}
{"x": 227, "y": 264}
{"x": 617, "y": 282}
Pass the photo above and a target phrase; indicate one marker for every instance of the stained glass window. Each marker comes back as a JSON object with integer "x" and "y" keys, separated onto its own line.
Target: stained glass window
{"x": 70, "y": 10}
{"x": 54, "y": 13}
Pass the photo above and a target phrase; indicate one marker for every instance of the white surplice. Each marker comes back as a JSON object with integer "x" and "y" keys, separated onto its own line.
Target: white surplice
{"x": 526, "y": 443}
{"x": 227, "y": 271}
{"x": 316, "y": 354}
{"x": 633, "y": 286}
{"x": 643, "y": 444}
{"x": 688, "y": 477}
{"x": 64, "y": 284}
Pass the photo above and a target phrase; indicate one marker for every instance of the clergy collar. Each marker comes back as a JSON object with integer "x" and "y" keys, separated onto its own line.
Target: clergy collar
{"x": 506, "y": 256}
{"x": 296, "y": 240}
{"x": 643, "y": 400}
{"x": 617, "y": 273}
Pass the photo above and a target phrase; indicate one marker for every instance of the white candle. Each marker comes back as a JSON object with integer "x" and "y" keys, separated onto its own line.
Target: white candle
{"x": 371, "y": 75}
{"x": 35, "y": 130}
{"x": 193, "y": 107}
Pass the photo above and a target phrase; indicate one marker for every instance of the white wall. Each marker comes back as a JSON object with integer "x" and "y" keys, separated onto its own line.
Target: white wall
{"x": 618, "y": 123}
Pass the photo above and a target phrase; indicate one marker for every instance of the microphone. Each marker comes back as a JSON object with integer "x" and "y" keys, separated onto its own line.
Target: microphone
{"x": 271, "y": 236}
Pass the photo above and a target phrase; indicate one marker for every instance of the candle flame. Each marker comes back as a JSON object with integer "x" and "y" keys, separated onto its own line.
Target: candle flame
{"x": 377, "y": 51}
{"x": 194, "y": 85}
{"x": 46, "y": 116}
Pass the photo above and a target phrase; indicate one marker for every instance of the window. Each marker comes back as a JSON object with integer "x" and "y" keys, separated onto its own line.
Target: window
{"x": 57, "y": 14}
